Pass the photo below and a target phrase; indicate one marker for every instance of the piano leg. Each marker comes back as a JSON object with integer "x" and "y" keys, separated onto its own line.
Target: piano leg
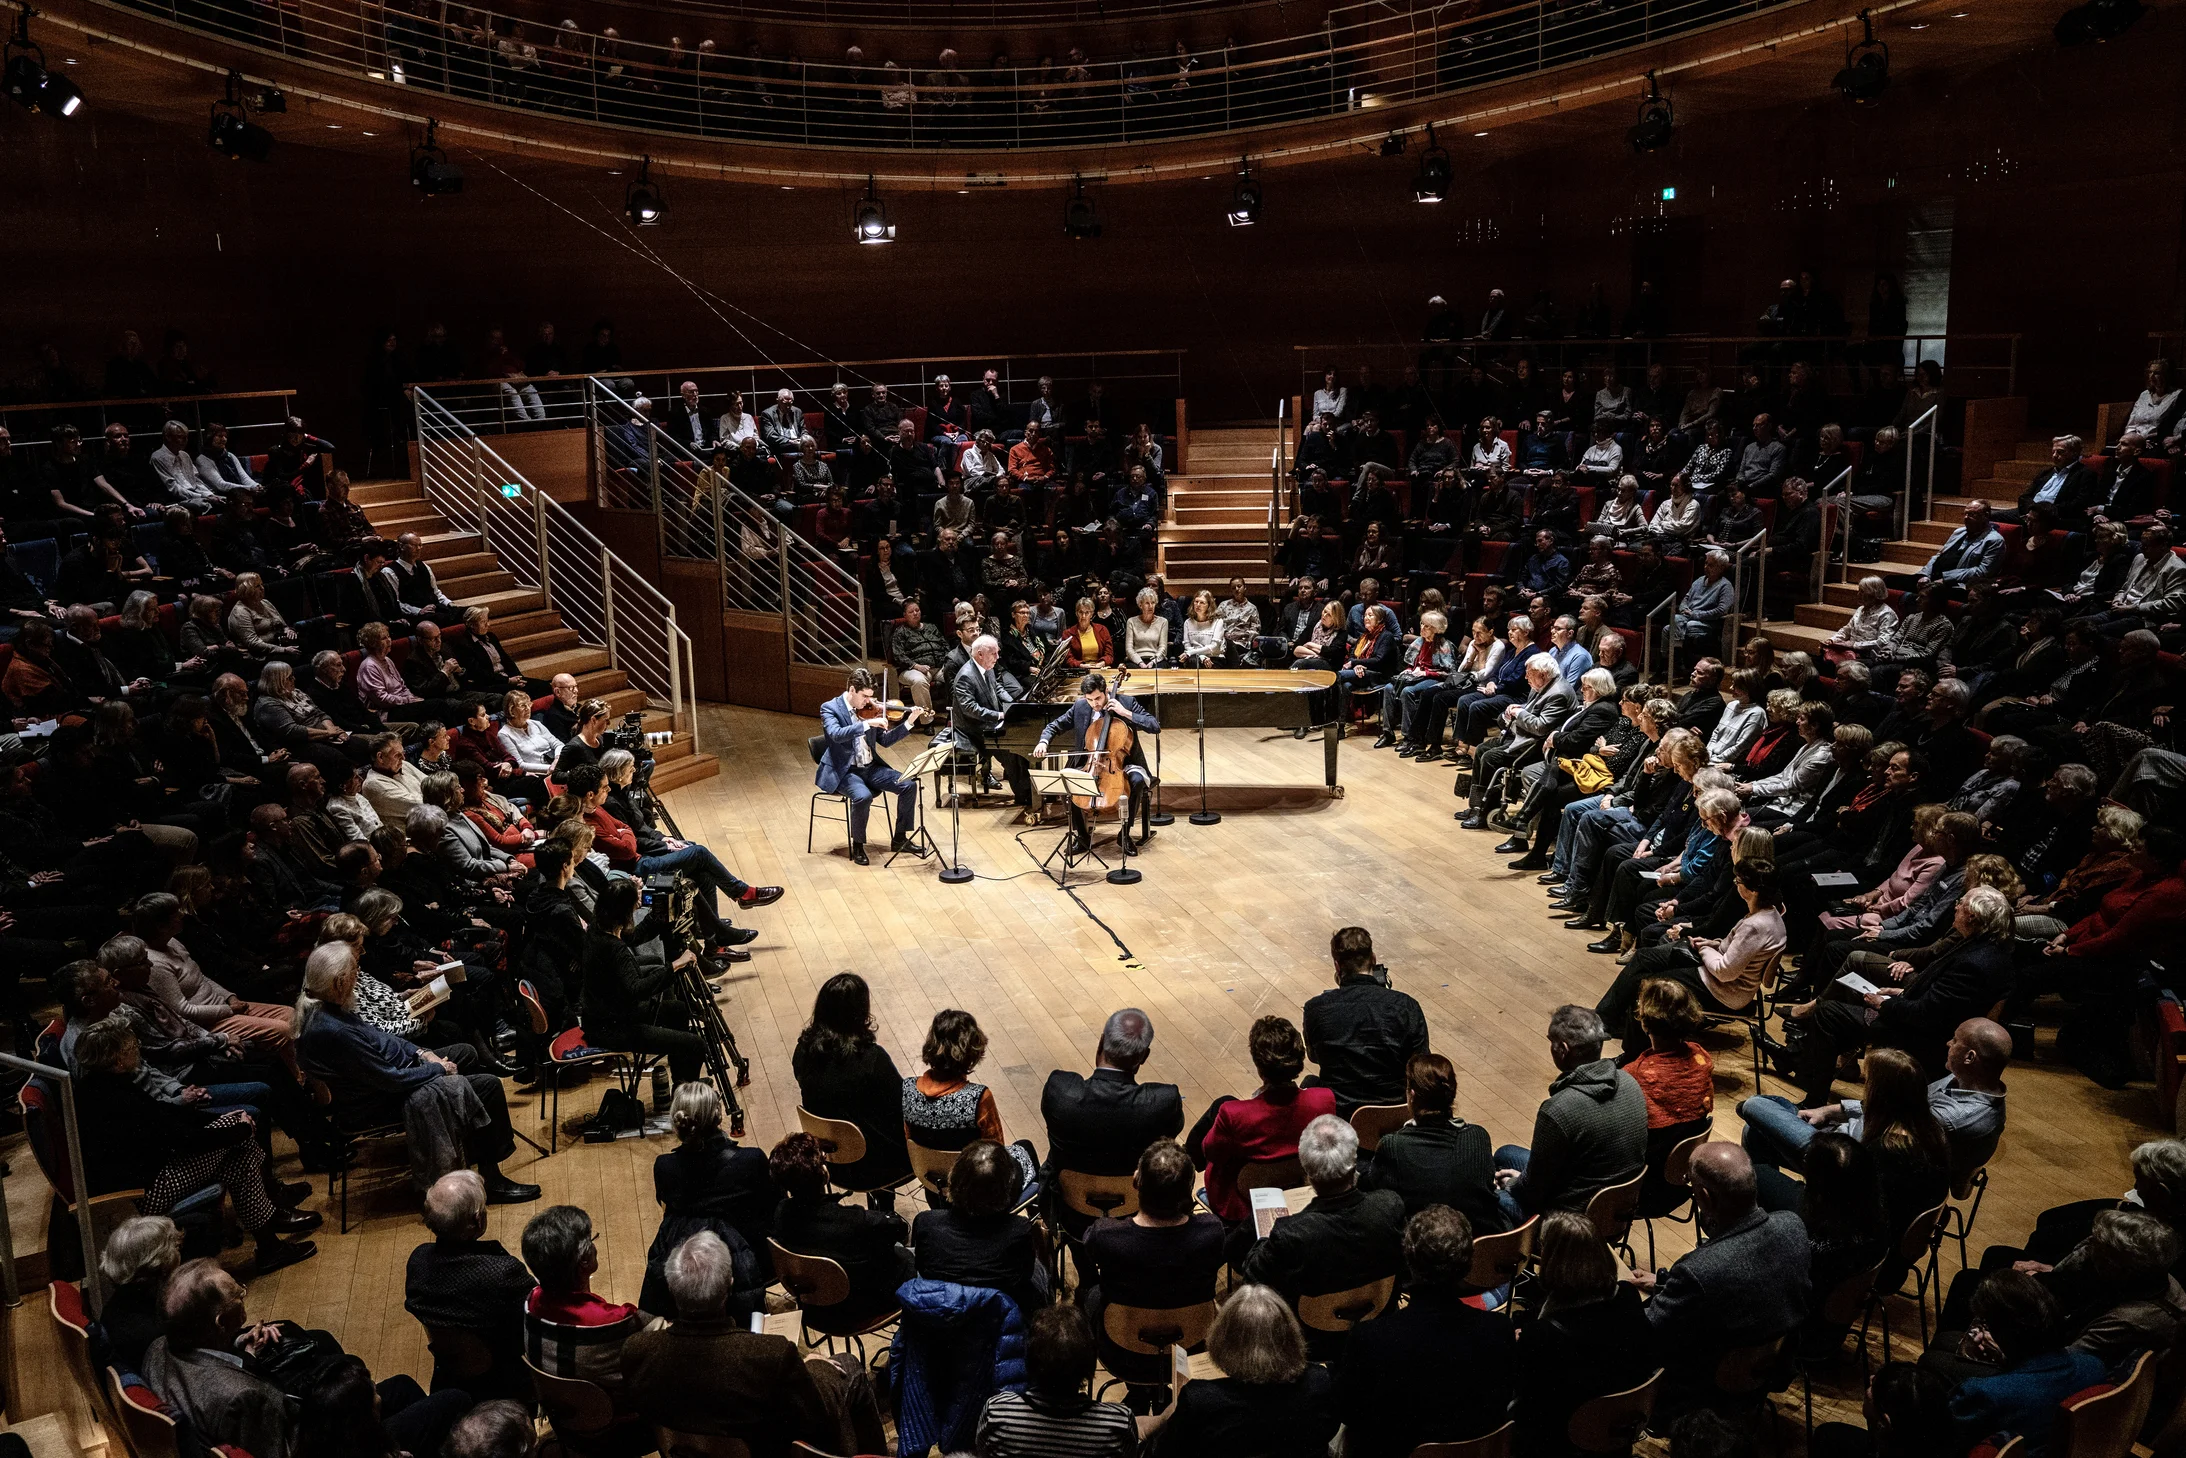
{"x": 1331, "y": 736}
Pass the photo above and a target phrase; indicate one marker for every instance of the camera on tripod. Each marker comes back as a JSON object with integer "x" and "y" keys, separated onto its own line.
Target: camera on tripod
{"x": 629, "y": 734}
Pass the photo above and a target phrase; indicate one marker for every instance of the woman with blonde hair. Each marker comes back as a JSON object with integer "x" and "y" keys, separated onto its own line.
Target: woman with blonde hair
{"x": 1203, "y": 634}
{"x": 256, "y": 625}
{"x": 1872, "y": 624}
{"x": 1269, "y": 1398}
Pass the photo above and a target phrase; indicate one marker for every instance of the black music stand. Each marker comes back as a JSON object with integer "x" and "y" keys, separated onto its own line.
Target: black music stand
{"x": 922, "y": 844}
{"x": 1203, "y": 816}
{"x": 1063, "y": 783}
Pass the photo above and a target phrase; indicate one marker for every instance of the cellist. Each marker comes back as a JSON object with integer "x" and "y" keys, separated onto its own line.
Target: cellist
{"x": 1086, "y": 726}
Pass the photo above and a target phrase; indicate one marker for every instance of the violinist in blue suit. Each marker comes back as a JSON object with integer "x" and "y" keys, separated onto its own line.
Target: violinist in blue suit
{"x": 852, "y": 764}
{"x": 1096, "y": 704}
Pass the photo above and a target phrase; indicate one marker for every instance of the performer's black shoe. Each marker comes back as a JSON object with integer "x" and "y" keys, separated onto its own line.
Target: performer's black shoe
{"x": 857, "y": 854}
{"x": 899, "y": 842}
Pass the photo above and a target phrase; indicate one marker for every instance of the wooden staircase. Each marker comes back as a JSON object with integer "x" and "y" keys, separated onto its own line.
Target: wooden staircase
{"x": 1814, "y": 623}
{"x": 472, "y": 574}
{"x": 1217, "y": 524}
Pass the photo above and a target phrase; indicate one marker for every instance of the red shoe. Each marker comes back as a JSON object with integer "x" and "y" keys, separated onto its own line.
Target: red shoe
{"x": 759, "y": 896}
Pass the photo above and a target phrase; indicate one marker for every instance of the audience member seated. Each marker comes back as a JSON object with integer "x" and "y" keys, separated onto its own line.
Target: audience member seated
{"x": 1437, "y": 1158}
{"x": 2019, "y": 1335}
{"x": 977, "y": 1239}
{"x": 138, "y": 1258}
{"x": 812, "y": 1221}
{"x": 568, "y": 1330}
{"x": 1362, "y": 1033}
{"x": 1588, "y": 1334}
{"x": 1050, "y": 1412}
{"x": 1345, "y": 1236}
{"x": 1590, "y": 1133}
{"x": 1162, "y": 1257}
{"x": 461, "y": 1281}
{"x": 199, "y": 1368}
{"x": 943, "y": 1109}
{"x": 1270, "y": 1399}
{"x": 710, "y": 1182}
{"x": 1261, "y": 1128}
{"x": 843, "y": 1073}
{"x": 1394, "y": 1387}
{"x": 1100, "y": 1125}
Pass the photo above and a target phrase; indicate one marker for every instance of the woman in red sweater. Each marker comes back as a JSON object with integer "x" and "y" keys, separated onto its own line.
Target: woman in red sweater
{"x": 1263, "y": 1127}
{"x": 2106, "y": 951}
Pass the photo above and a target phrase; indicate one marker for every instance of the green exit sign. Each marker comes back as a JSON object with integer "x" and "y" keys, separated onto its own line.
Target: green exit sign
{"x": 511, "y": 489}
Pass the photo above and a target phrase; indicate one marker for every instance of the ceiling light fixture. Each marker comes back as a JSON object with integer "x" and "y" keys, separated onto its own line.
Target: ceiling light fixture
{"x": 1866, "y": 72}
{"x": 869, "y": 220}
{"x": 1432, "y": 184}
{"x": 233, "y": 134}
{"x": 1652, "y": 131}
{"x": 643, "y": 201}
{"x": 431, "y": 173}
{"x": 1081, "y": 219}
{"x": 27, "y": 81}
{"x": 1245, "y": 198}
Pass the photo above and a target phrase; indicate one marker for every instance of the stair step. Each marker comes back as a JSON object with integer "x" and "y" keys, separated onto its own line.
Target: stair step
{"x": 684, "y": 771}
{"x": 1932, "y": 533}
{"x": 579, "y": 661}
{"x": 383, "y": 493}
{"x": 553, "y": 640}
{"x": 1913, "y": 554}
{"x": 509, "y": 600}
{"x": 471, "y": 584}
{"x": 400, "y": 515}
{"x": 442, "y": 545}
{"x": 1183, "y": 515}
{"x": 464, "y": 566}
{"x": 518, "y": 625}
{"x": 604, "y": 683}
{"x": 1790, "y": 637}
{"x": 620, "y": 701}
{"x": 1821, "y": 615}
{"x": 1218, "y": 531}
{"x": 2021, "y": 472}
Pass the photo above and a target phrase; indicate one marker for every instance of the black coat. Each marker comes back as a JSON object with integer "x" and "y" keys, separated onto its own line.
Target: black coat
{"x": 861, "y": 1088}
{"x": 1101, "y": 1124}
{"x": 862, "y": 1241}
{"x": 1394, "y": 1387}
{"x": 1440, "y": 1161}
{"x": 1572, "y": 1355}
{"x": 1333, "y": 1244}
{"x": 1963, "y": 983}
{"x": 1361, "y": 1035}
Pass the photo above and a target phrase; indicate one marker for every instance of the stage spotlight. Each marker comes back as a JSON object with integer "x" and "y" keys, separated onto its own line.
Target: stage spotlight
{"x": 2098, "y": 20}
{"x": 431, "y": 173}
{"x": 1080, "y": 218}
{"x": 644, "y": 202}
{"x": 27, "y": 81}
{"x": 869, "y": 222}
{"x": 1245, "y": 198}
{"x": 1652, "y": 131}
{"x": 1432, "y": 184}
{"x": 1866, "y": 72}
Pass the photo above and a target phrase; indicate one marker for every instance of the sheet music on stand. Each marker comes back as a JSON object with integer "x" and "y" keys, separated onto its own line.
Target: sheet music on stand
{"x": 933, "y": 759}
{"x": 1062, "y": 781}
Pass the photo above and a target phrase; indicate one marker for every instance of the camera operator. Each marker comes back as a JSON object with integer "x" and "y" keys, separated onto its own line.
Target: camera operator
{"x": 1362, "y": 1032}
{"x": 647, "y": 852}
{"x": 630, "y": 1008}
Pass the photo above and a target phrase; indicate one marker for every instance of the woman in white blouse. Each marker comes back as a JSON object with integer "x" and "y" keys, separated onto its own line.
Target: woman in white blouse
{"x": 1873, "y": 623}
{"x": 1483, "y": 655}
{"x": 2156, "y": 406}
{"x": 736, "y": 424}
{"x": 1744, "y": 717}
{"x": 1331, "y": 398}
{"x": 1202, "y": 634}
{"x": 346, "y": 806}
{"x": 529, "y": 742}
{"x": 255, "y": 625}
{"x": 1490, "y": 450}
{"x": 1146, "y": 637}
{"x": 1678, "y": 518}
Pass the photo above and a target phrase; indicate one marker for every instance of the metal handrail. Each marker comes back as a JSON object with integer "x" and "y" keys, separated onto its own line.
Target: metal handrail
{"x": 1368, "y": 57}
{"x": 1647, "y": 645}
{"x": 542, "y": 545}
{"x": 806, "y": 587}
{"x": 1905, "y": 498}
{"x": 1758, "y": 542}
{"x": 1844, "y": 520}
{"x": 1278, "y": 463}
{"x": 101, "y": 413}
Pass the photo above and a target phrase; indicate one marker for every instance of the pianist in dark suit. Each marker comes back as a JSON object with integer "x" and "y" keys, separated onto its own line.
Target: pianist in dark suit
{"x": 1076, "y": 726}
{"x": 978, "y": 708}
{"x": 1103, "y": 1123}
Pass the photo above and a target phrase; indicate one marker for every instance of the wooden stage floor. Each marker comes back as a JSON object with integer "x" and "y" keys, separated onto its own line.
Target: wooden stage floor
{"x": 1232, "y": 921}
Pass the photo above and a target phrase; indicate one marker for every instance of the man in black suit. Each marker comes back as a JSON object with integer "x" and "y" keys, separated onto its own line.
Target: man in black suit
{"x": 1746, "y": 1284}
{"x": 686, "y": 422}
{"x": 1581, "y": 731}
{"x": 1345, "y": 1238}
{"x": 1797, "y": 534}
{"x": 1700, "y": 707}
{"x": 461, "y": 1280}
{"x": 1393, "y": 1387}
{"x": 369, "y": 593}
{"x": 1362, "y": 1032}
{"x": 978, "y": 707}
{"x": 1102, "y": 1124}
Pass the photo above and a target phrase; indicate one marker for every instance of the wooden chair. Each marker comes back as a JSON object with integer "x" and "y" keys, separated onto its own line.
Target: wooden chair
{"x": 582, "y": 1413}
{"x": 1279, "y": 1174}
{"x": 1754, "y": 1017}
{"x": 1612, "y": 1422}
{"x": 1743, "y": 1371}
{"x": 1098, "y": 1196}
{"x": 1916, "y": 1251}
{"x": 564, "y": 1057}
{"x": 932, "y": 1167}
{"x": 1966, "y": 1195}
{"x": 821, "y": 1287}
{"x": 2104, "y": 1424}
{"x": 1342, "y": 1310}
{"x": 1613, "y": 1208}
{"x": 1494, "y": 1445}
{"x": 698, "y": 1445}
{"x": 844, "y": 1144}
{"x": 458, "y": 1352}
{"x": 1152, "y": 1330}
{"x": 1371, "y": 1121}
{"x": 1676, "y": 1170}
{"x": 147, "y": 1430}
{"x": 1497, "y": 1259}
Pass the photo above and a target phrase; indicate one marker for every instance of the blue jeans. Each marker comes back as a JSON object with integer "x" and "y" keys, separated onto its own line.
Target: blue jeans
{"x": 1775, "y": 1134}
{"x": 697, "y": 862}
{"x": 1597, "y": 830}
{"x": 1512, "y": 1156}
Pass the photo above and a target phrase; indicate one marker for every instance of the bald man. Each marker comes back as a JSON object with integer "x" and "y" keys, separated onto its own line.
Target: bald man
{"x": 1745, "y": 1285}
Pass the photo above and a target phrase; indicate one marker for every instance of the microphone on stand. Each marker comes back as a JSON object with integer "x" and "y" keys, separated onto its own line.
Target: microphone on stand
{"x": 1199, "y": 699}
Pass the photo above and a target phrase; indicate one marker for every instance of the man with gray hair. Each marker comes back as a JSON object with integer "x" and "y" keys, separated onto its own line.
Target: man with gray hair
{"x": 1526, "y": 728}
{"x": 1590, "y": 1132}
{"x": 499, "y": 1429}
{"x": 197, "y": 1368}
{"x": 1745, "y": 1285}
{"x": 978, "y": 708}
{"x": 707, "y": 1374}
{"x": 1344, "y": 1238}
{"x": 1100, "y": 1125}
{"x": 461, "y": 1282}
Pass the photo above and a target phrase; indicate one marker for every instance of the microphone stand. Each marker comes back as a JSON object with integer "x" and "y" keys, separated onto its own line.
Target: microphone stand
{"x": 955, "y": 873}
{"x": 1199, "y": 700}
{"x": 1159, "y": 815}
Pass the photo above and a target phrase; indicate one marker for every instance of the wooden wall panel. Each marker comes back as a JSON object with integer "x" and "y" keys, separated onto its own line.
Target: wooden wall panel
{"x": 755, "y": 661}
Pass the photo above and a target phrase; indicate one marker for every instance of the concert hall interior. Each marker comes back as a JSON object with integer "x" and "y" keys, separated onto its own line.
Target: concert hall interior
{"x": 729, "y": 721}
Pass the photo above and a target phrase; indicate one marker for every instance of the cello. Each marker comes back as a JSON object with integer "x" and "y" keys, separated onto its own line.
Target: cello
{"x": 1107, "y": 747}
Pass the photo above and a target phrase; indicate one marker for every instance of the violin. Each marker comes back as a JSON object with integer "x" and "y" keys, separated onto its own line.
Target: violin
{"x": 891, "y": 711}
